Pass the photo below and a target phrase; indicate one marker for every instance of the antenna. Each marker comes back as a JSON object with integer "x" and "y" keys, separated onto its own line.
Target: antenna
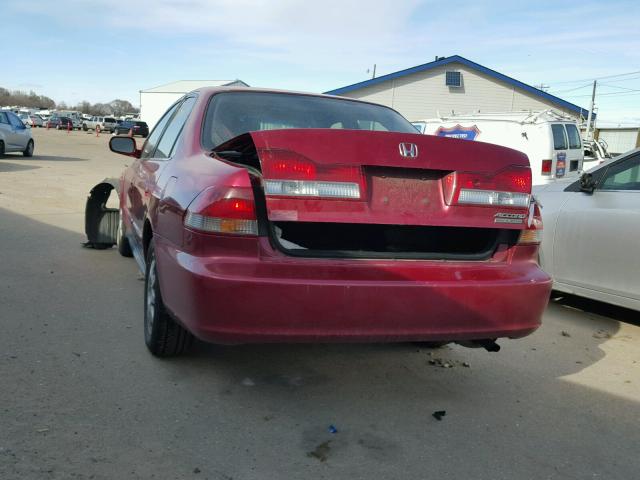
{"x": 374, "y": 71}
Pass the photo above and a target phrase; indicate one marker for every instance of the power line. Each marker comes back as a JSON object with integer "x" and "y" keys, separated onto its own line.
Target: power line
{"x": 630, "y": 79}
{"x": 571, "y": 89}
{"x": 616, "y": 86}
{"x": 622, "y": 94}
{"x": 598, "y": 78}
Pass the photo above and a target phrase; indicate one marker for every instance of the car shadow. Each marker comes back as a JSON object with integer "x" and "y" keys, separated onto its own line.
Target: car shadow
{"x": 15, "y": 167}
{"x": 596, "y": 307}
{"x": 314, "y": 410}
{"x": 55, "y": 158}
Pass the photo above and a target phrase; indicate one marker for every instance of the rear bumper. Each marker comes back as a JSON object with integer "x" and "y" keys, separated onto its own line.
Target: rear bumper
{"x": 283, "y": 299}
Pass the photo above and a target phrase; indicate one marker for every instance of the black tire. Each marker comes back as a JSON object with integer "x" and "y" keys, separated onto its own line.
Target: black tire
{"x": 1, "y": 149}
{"x": 162, "y": 335}
{"x": 84, "y": 127}
{"x": 124, "y": 248}
{"x": 28, "y": 152}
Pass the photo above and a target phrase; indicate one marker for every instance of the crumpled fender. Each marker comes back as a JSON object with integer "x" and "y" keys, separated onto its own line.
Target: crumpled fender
{"x": 100, "y": 222}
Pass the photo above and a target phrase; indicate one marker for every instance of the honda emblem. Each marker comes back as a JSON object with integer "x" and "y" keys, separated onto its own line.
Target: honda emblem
{"x": 409, "y": 150}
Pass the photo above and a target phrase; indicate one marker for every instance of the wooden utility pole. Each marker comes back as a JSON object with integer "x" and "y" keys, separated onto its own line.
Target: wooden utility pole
{"x": 590, "y": 116}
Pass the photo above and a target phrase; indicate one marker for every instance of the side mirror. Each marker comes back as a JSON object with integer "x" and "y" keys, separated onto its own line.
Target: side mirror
{"x": 124, "y": 146}
{"x": 587, "y": 183}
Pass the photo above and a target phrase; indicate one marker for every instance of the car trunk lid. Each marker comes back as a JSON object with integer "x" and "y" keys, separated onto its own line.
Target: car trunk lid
{"x": 352, "y": 176}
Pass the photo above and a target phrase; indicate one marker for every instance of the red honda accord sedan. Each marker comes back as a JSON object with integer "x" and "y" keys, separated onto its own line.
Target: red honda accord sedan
{"x": 269, "y": 216}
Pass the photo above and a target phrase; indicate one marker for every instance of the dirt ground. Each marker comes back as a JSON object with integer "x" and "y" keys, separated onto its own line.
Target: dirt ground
{"x": 81, "y": 398}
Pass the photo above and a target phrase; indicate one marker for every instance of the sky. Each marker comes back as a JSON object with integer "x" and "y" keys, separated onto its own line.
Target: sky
{"x": 74, "y": 50}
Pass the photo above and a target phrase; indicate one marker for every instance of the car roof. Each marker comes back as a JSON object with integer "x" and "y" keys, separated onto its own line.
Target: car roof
{"x": 211, "y": 90}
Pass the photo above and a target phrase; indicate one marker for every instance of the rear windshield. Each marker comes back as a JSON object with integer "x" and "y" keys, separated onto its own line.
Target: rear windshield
{"x": 109, "y": 119}
{"x": 559, "y": 138}
{"x": 574, "y": 136}
{"x": 234, "y": 113}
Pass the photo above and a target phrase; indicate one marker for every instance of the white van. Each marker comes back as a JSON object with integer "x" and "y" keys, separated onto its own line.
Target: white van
{"x": 550, "y": 139}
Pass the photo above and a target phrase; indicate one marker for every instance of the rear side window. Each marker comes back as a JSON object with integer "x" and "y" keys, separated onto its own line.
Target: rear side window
{"x": 170, "y": 136}
{"x": 559, "y": 137}
{"x": 15, "y": 121}
{"x": 152, "y": 141}
{"x": 574, "y": 136}
{"x": 624, "y": 176}
{"x": 3, "y": 118}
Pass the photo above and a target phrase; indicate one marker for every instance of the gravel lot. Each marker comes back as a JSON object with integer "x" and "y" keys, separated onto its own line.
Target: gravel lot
{"x": 81, "y": 397}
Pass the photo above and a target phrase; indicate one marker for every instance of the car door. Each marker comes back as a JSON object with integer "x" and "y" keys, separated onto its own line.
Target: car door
{"x": 144, "y": 173}
{"x": 169, "y": 215}
{"x": 6, "y": 131}
{"x": 595, "y": 245}
{"x": 575, "y": 152}
{"x": 19, "y": 136}
{"x": 560, "y": 148}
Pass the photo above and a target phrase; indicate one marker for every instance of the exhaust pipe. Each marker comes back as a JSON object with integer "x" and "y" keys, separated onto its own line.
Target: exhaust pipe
{"x": 488, "y": 344}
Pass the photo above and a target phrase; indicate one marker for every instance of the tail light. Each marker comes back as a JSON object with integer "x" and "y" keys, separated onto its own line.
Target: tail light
{"x": 223, "y": 210}
{"x": 508, "y": 188}
{"x": 546, "y": 167}
{"x": 532, "y": 234}
{"x": 289, "y": 175}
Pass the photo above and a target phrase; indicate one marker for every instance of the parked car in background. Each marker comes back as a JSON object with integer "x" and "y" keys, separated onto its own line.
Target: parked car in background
{"x": 31, "y": 120}
{"x": 59, "y": 123}
{"x": 14, "y": 135}
{"x": 550, "y": 139}
{"x": 135, "y": 126}
{"x": 592, "y": 227}
{"x": 74, "y": 116}
{"x": 103, "y": 124}
{"x": 265, "y": 216}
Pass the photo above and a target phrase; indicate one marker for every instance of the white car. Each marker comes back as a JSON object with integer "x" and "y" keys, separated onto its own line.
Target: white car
{"x": 104, "y": 124}
{"x": 591, "y": 232}
{"x": 14, "y": 135}
{"x": 31, "y": 120}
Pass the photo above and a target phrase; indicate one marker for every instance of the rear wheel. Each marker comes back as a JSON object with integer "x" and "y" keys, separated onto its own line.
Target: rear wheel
{"x": 124, "y": 248}
{"x": 28, "y": 152}
{"x": 1, "y": 149}
{"x": 162, "y": 335}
